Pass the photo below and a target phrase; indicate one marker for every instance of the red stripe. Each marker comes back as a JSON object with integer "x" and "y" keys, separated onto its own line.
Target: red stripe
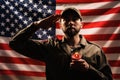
{"x": 24, "y": 73}
{"x": 88, "y": 12}
{"x": 99, "y": 11}
{"x": 113, "y": 23}
{"x": 109, "y": 50}
{"x": 103, "y": 37}
{"x": 79, "y": 1}
{"x": 100, "y": 24}
{"x": 4, "y": 46}
{"x": 98, "y": 37}
{"x": 116, "y": 76}
{"x": 114, "y": 63}
{"x": 20, "y": 61}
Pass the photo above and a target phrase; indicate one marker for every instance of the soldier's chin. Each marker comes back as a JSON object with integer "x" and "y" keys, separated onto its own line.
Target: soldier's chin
{"x": 71, "y": 34}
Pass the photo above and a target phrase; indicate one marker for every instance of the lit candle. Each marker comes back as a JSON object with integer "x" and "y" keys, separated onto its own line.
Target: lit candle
{"x": 76, "y": 56}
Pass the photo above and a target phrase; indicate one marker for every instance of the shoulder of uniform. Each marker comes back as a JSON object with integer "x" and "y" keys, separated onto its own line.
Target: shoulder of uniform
{"x": 53, "y": 41}
{"x": 95, "y": 44}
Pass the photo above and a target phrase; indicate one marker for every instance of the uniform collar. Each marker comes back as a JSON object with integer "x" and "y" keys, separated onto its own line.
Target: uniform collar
{"x": 82, "y": 43}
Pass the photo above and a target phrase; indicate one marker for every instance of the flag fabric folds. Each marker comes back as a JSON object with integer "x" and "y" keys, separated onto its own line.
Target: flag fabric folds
{"x": 101, "y": 20}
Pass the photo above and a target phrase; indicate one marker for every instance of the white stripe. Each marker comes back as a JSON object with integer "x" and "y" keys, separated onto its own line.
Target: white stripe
{"x": 107, "y": 30}
{"x": 90, "y": 31}
{"x": 113, "y": 56}
{"x": 8, "y": 53}
{"x": 11, "y": 53}
{"x": 108, "y": 43}
{"x": 22, "y": 67}
{"x": 115, "y": 70}
{"x": 20, "y": 77}
{"x": 98, "y": 5}
{"x": 4, "y": 39}
{"x": 36, "y": 68}
{"x": 107, "y": 17}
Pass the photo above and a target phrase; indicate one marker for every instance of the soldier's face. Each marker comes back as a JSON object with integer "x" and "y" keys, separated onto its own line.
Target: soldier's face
{"x": 71, "y": 25}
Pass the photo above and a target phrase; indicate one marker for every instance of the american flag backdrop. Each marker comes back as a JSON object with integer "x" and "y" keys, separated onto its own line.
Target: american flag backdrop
{"x": 101, "y": 20}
